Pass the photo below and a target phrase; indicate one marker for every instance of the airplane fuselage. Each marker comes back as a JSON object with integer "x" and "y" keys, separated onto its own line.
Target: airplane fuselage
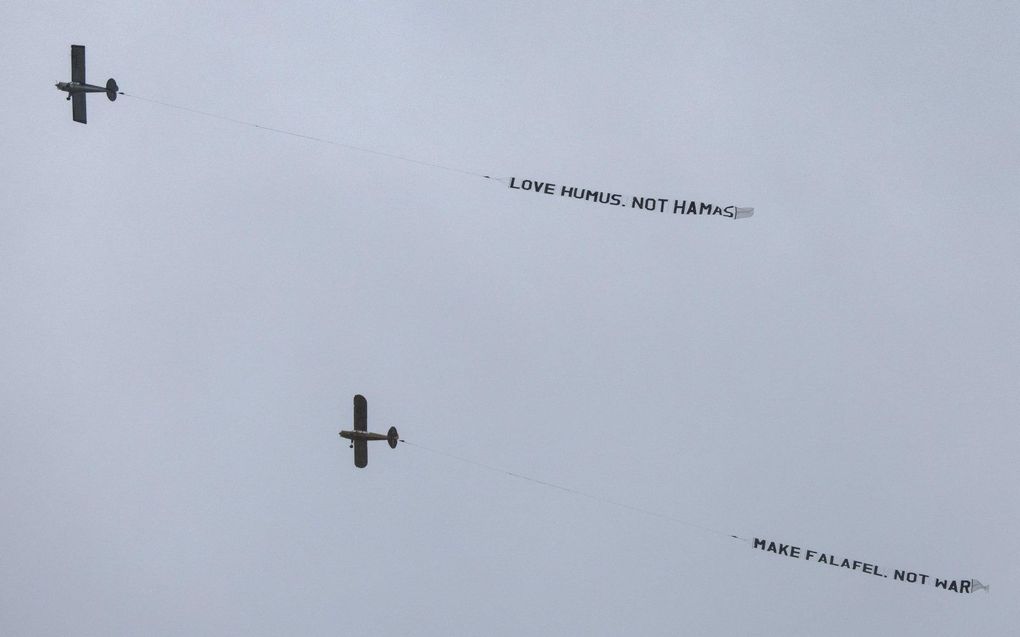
{"x": 362, "y": 435}
{"x": 77, "y": 87}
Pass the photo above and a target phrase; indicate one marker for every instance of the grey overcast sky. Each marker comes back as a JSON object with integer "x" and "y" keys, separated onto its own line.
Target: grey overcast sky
{"x": 188, "y": 305}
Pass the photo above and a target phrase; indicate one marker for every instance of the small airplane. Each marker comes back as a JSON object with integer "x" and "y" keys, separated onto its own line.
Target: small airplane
{"x": 77, "y": 88}
{"x": 360, "y": 436}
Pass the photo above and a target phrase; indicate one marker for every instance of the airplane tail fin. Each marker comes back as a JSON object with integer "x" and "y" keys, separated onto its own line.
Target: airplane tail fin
{"x": 111, "y": 89}
{"x": 392, "y": 437}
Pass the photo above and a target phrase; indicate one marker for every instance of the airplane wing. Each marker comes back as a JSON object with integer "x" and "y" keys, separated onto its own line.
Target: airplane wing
{"x": 78, "y": 63}
{"x": 360, "y": 413}
{"x": 361, "y": 453}
{"x": 78, "y": 107}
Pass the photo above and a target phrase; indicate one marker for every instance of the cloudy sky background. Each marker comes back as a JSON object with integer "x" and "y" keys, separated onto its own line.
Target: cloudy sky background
{"x": 188, "y": 305}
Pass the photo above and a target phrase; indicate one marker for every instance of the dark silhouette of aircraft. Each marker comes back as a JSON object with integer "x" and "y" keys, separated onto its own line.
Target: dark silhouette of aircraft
{"x": 77, "y": 88}
{"x": 361, "y": 435}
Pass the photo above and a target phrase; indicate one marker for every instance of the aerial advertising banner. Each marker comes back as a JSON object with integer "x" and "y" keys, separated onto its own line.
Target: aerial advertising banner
{"x": 867, "y": 568}
{"x": 637, "y": 202}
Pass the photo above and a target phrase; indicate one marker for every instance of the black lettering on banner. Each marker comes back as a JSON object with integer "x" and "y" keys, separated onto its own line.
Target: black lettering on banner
{"x": 649, "y": 203}
{"x": 681, "y": 206}
{"x": 789, "y": 550}
{"x": 596, "y": 196}
{"x": 653, "y": 204}
{"x": 538, "y": 186}
{"x": 908, "y": 576}
{"x": 961, "y": 586}
{"x": 643, "y": 203}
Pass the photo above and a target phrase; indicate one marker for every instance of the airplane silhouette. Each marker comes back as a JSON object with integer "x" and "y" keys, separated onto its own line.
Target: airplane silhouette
{"x": 360, "y": 436}
{"x": 77, "y": 88}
